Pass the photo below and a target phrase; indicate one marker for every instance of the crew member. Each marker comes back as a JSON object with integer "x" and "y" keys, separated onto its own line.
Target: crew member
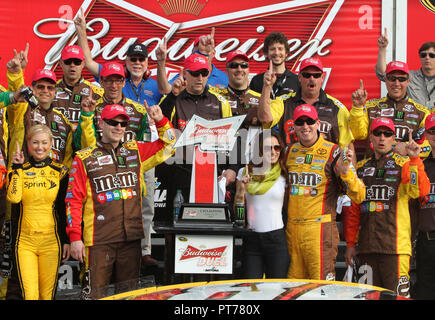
{"x": 425, "y": 248}
{"x": 105, "y": 194}
{"x": 333, "y": 115}
{"x": 383, "y": 223}
{"x": 421, "y": 86}
{"x": 405, "y": 113}
{"x": 72, "y": 88}
{"x": 192, "y": 96}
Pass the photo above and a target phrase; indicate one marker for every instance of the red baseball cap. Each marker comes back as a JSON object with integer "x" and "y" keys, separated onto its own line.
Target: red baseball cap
{"x": 311, "y": 62}
{"x": 44, "y": 74}
{"x": 196, "y": 62}
{"x": 237, "y": 54}
{"x": 305, "y": 110}
{"x": 397, "y": 65}
{"x": 112, "y": 68}
{"x": 113, "y": 110}
{"x": 430, "y": 121}
{"x": 382, "y": 122}
{"x": 72, "y": 52}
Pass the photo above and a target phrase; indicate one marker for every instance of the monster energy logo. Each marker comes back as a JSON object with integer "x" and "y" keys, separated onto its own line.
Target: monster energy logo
{"x": 308, "y": 158}
{"x": 77, "y": 98}
{"x": 240, "y": 212}
{"x": 399, "y": 115}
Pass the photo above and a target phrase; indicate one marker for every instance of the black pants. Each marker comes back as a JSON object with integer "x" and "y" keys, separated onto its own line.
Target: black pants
{"x": 425, "y": 257}
{"x": 265, "y": 253}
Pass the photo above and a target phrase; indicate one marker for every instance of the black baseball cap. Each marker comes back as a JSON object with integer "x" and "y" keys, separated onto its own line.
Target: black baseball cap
{"x": 137, "y": 49}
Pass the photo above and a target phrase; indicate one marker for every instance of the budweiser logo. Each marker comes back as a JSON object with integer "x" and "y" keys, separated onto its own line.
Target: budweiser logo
{"x": 110, "y": 40}
{"x": 192, "y": 252}
{"x": 182, "y": 6}
{"x": 204, "y": 131}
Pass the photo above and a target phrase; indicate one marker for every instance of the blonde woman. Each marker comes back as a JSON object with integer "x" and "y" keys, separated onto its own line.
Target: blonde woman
{"x": 38, "y": 187}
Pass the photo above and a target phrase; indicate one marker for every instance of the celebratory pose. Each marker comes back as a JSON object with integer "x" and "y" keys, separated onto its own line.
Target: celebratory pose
{"x": 39, "y": 186}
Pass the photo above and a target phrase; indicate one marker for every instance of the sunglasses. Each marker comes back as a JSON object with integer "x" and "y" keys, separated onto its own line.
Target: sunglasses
{"x": 76, "y": 62}
{"x": 301, "y": 122}
{"x": 431, "y": 131}
{"x": 387, "y": 134}
{"x": 203, "y": 72}
{"x": 110, "y": 81}
{"x": 275, "y": 147}
{"x": 42, "y": 87}
{"x": 141, "y": 59}
{"x": 235, "y": 65}
{"x": 394, "y": 78}
{"x": 115, "y": 123}
{"x": 308, "y": 75}
{"x": 424, "y": 54}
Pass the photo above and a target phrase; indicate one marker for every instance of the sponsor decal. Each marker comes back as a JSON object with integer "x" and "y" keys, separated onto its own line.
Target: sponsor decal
{"x": 379, "y": 192}
{"x": 369, "y": 172}
{"x": 192, "y": 252}
{"x": 387, "y": 112}
{"x": 105, "y": 160}
{"x": 308, "y": 158}
{"x": 307, "y": 179}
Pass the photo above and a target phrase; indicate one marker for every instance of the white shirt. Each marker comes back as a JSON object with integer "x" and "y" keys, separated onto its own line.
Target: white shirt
{"x": 265, "y": 210}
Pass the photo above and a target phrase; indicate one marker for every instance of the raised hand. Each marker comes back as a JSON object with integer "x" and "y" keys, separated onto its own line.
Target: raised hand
{"x": 88, "y": 104}
{"x": 206, "y": 43}
{"x": 179, "y": 84}
{"x": 80, "y": 22}
{"x": 161, "y": 51}
{"x": 345, "y": 161}
{"x": 359, "y": 96}
{"x": 18, "y": 157}
{"x": 23, "y": 56}
{"x": 412, "y": 148}
{"x": 383, "y": 40}
{"x": 155, "y": 112}
{"x": 14, "y": 65}
{"x": 269, "y": 77}
{"x": 246, "y": 179}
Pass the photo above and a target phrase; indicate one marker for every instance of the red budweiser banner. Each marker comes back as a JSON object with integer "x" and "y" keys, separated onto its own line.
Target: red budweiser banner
{"x": 342, "y": 32}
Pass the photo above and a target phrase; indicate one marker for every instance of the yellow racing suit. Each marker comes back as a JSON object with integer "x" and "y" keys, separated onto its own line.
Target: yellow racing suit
{"x": 39, "y": 189}
{"x": 314, "y": 186}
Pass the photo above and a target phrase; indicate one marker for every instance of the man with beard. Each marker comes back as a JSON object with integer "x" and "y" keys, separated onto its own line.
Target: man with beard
{"x": 276, "y": 51}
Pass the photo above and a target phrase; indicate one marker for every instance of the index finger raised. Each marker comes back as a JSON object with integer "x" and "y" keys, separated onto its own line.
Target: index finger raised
{"x": 361, "y": 84}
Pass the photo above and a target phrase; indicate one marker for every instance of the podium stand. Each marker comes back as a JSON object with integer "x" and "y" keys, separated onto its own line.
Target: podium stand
{"x": 202, "y": 240}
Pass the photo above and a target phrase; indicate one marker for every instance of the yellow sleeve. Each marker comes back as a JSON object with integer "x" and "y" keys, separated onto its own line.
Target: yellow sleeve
{"x": 359, "y": 123}
{"x": 345, "y": 134}
{"x": 226, "y": 109}
{"x": 355, "y": 188}
{"x": 16, "y": 111}
{"x": 154, "y": 153}
{"x": 277, "y": 110}
{"x": 15, "y": 80}
{"x": 67, "y": 160}
{"x": 85, "y": 133}
{"x": 15, "y": 185}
